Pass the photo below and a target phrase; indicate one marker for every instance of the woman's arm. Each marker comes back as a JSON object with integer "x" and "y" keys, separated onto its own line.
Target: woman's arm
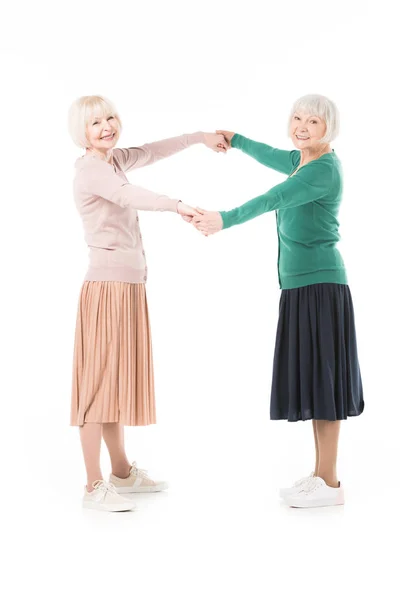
{"x": 312, "y": 182}
{"x": 283, "y": 161}
{"x": 134, "y": 158}
{"x": 99, "y": 179}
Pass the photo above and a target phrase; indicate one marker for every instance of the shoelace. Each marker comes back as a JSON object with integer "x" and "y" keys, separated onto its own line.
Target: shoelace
{"x": 303, "y": 480}
{"x": 311, "y": 485}
{"x": 139, "y": 472}
{"x": 105, "y": 487}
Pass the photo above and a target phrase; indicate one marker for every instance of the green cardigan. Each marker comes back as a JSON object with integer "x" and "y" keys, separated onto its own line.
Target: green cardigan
{"x": 307, "y": 206}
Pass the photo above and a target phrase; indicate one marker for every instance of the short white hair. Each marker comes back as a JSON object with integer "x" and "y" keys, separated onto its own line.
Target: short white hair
{"x": 83, "y": 110}
{"x": 322, "y": 107}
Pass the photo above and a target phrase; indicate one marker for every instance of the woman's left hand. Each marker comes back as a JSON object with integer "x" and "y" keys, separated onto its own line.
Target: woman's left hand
{"x": 216, "y": 142}
{"x": 207, "y": 222}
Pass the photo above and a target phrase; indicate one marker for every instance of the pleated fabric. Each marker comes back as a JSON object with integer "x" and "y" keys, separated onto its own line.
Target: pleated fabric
{"x": 113, "y": 364}
{"x": 316, "y": 372}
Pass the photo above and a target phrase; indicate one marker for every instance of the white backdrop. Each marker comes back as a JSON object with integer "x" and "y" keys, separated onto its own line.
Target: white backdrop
{"x": 175, "y": 67}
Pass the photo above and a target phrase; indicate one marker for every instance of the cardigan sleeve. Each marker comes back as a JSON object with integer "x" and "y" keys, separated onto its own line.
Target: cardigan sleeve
{"x": 100, "y": 179}
{"x": 141, "y": 156}
{"x": 312, "y": 182}
{"x": 283, "y": 161}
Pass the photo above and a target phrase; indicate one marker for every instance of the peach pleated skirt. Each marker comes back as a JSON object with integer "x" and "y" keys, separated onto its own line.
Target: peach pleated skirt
{"x": 113, "y": 363}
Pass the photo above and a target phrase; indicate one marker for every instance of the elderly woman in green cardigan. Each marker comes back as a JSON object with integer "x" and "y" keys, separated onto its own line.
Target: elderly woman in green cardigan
{"x": 316, "y": 374}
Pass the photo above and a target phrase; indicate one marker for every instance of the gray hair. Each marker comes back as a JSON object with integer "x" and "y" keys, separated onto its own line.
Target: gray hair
{"x": 83, "y": 110}
{"x": 322, "y": 107}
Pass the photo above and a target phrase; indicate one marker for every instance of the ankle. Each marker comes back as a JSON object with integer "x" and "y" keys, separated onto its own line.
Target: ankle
{"x": 330, "y": 481}
{"x": 90, "y": 482}
{"x": 121, "y": 471}
{"x": 90, "y": 487}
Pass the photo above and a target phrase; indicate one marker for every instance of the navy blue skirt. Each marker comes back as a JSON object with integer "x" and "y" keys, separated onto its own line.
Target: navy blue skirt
{"x": 316, "y": 374}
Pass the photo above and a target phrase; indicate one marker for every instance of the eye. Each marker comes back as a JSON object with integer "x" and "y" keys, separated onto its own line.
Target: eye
{"x": 298, "y": 118}
{"x": 96, "y": 123}
{"x": 110, "y": 118}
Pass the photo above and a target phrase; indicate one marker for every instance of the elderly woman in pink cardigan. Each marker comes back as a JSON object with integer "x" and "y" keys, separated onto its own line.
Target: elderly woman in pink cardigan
{"x": 112, "y": 367}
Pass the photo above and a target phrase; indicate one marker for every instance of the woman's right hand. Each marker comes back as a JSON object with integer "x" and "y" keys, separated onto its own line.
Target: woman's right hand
{"x": 228, "y": 135}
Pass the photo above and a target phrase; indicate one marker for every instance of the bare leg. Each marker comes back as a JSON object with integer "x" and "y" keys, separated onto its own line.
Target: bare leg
{"x": 328, "y": 439}
{"x": 113, "y": 435}
{"x": 90, "y": 434}
{"x": 316, "y": 446}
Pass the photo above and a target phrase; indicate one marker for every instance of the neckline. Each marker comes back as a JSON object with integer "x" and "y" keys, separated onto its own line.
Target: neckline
{"x": 99, "y": 158}
{"x": 90, "y": 156}
{"x": 297, "y": 169}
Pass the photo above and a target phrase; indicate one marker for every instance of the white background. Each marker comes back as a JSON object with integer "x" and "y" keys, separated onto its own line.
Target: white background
{"x": 220, "y": 532}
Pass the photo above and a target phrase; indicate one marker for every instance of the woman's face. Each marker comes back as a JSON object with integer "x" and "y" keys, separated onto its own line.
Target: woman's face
{"x": 306, "y": 131}
{"x": 102, "y": 133}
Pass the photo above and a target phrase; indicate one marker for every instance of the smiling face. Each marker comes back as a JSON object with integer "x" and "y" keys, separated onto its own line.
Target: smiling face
{"x": 102, "y": 133}
{"x": 306, "y": 131}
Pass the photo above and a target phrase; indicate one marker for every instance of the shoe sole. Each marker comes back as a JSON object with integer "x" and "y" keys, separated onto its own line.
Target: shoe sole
{"x": 110, "y": 508}
{"x": 142, "y": 489}
{"x": 339, "y": 501}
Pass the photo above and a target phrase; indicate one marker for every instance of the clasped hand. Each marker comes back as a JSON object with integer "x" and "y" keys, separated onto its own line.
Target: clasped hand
{"x": 205, "y": 221}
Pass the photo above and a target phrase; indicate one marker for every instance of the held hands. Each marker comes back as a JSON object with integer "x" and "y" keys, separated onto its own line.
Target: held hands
{"x": 187, "y": 212}
{"x": 205, "y": 221}
{"x": 228, "y": 135}
{"x": 220, "y": 141}
{"x": 215, "y": 142}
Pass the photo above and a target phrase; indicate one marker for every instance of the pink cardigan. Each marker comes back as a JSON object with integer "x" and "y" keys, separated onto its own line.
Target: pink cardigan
{"x": 107, "y": 203}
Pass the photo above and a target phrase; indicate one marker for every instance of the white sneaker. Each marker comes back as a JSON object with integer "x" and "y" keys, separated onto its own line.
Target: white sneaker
{"x": 104, "y": 497}
{"x": 137, "y": 481}
{"x": 315, "y": 493}
{"x": 285, "y": 492}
